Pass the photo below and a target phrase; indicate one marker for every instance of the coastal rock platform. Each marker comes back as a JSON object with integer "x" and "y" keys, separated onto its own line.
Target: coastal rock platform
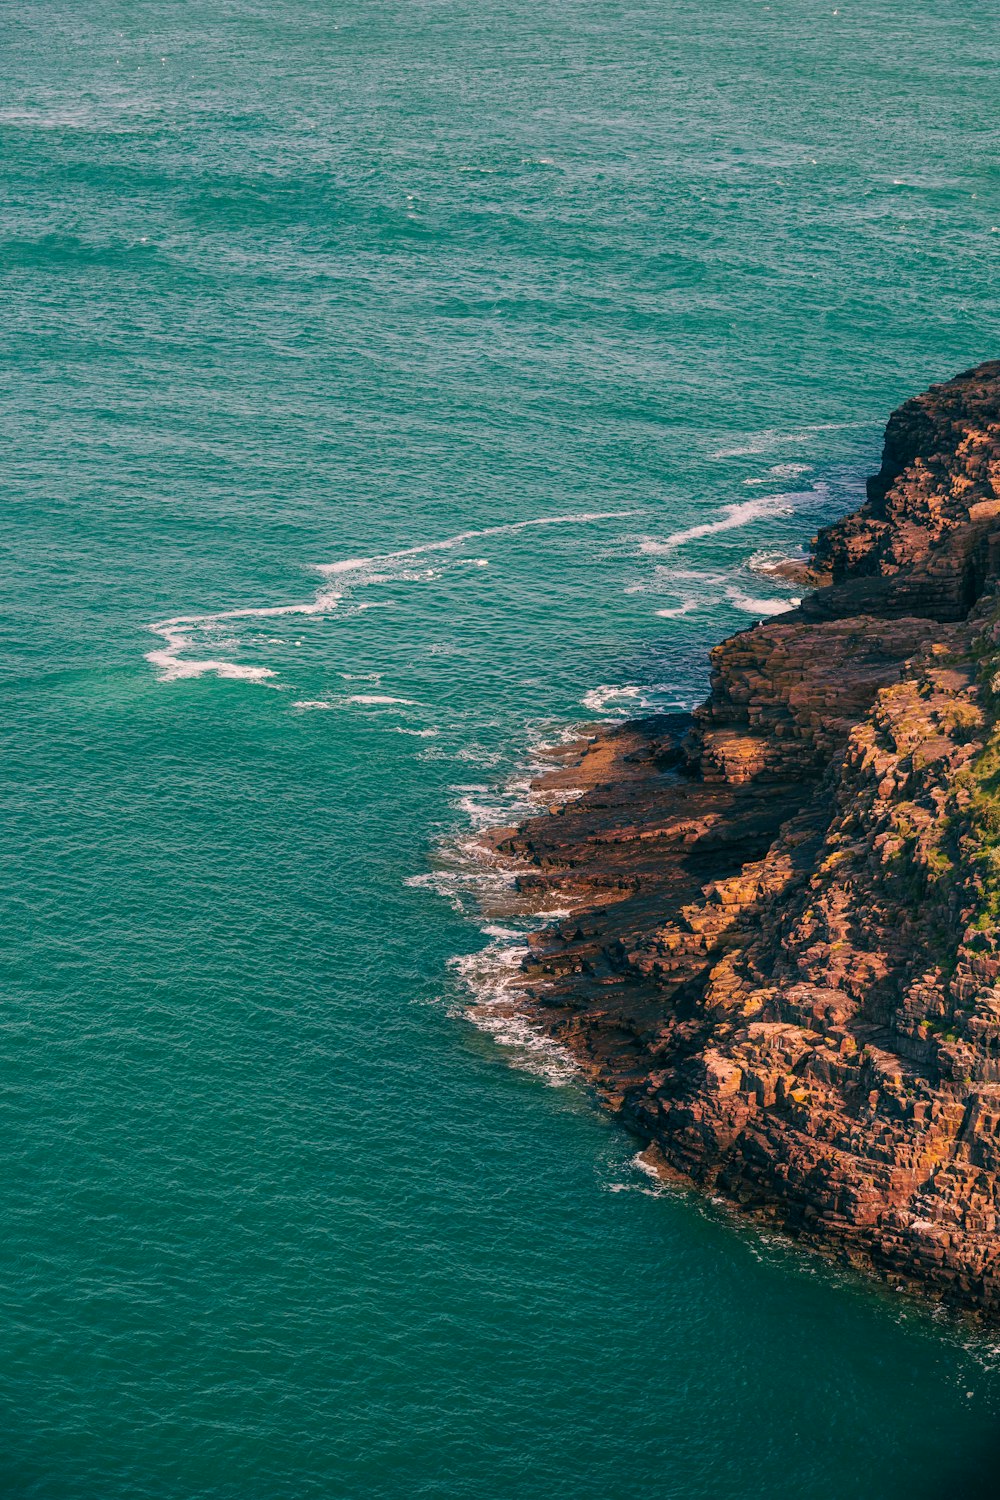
{"x": 782, "y": 963}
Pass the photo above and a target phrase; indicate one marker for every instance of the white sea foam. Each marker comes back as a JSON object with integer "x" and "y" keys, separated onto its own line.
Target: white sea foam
{"x": 173, "y": 670}
{"x": 374, "y": 700}
{"x": 598, "y": 698}
{"x": 680, "y": 609}
{"x": 182, "y": 633}
{"x": 579, "y": 518}
{"x": 491, "y": 807}
{"x": 760, "y": 608}
{"x": 469, "y": 873}
{"x": 781, "y": 471}
{"x": 472, "y": 876}
{"x": 658, "y": 1190}
{"x": 420, "y": 734}
{"x": 362, "y": 700}
{"x": 741, "y": 513}
{"x": 492, "y": 977}
{"x": 737, "y": 515}
{"x": 624, "y": 699}
{"x": 641, "y": 1165}
{"x": 694, "y": 589}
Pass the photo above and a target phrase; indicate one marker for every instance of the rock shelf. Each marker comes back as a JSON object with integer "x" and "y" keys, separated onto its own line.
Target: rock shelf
{"x": 782, "y": 964}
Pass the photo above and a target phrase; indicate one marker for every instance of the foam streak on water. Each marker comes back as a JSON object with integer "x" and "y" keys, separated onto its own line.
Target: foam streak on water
{"x": 181, "y": 632}
{"x": 740, "y": 513}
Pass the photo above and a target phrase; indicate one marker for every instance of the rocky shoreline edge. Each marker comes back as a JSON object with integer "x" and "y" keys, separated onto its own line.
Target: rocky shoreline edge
{"x": 779, "y": 960}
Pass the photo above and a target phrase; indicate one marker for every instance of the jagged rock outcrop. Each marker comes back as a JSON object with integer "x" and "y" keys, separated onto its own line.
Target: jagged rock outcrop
{"x": 783, "y": 964}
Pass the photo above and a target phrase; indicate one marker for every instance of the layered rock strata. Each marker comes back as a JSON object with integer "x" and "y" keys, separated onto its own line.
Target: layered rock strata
{"x": 783, "y": 965}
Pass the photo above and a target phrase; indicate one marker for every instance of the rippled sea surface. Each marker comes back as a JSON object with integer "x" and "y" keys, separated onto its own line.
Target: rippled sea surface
{"x": 428, "y": 375}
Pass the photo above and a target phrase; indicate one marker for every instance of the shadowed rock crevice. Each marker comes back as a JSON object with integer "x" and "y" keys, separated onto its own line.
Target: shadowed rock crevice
{"x": 781, "y": 962}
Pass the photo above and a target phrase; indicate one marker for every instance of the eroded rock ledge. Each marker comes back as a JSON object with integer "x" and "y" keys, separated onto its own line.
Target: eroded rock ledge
{"x": 782, "y": 967}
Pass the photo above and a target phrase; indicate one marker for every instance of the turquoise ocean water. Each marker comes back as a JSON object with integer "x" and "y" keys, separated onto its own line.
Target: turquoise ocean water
{"x": 293, "y": 293}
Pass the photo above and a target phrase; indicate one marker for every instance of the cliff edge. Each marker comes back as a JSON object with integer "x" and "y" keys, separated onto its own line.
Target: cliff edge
{"x": 782, "y": 969}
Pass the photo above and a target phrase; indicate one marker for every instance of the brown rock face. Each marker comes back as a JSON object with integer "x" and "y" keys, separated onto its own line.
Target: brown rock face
{"x": 783, "y": 964}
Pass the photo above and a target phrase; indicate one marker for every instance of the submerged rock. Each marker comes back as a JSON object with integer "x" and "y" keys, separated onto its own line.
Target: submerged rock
{"x": 782, "y": 967}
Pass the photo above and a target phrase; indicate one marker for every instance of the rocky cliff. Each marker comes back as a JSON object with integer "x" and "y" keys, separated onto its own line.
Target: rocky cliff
{"x": 783, "y": 964}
